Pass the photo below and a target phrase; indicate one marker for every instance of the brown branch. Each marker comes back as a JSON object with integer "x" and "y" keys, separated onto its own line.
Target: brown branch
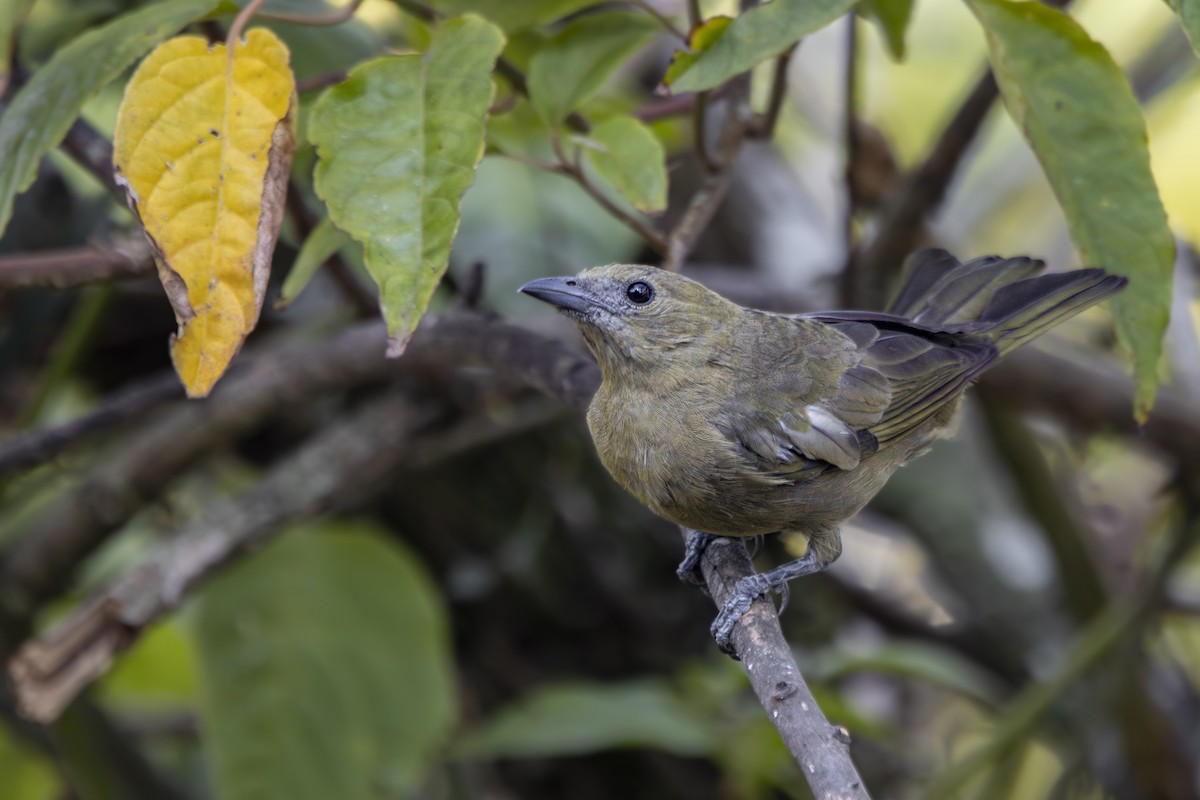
{"x": 572, "y": 168}
{"x": 764, "y": 126}
{"x": 1090, "y": 395}
{"x": 77, "y": 266}
{"x": 39, "y": 565}
{"x": 853, "y": 153}
{"x": 822, "y": 750}
{"x": 27, "y": 450}
{"x": 336, "y": 468}
{"x": 93, "y": 151}
{"x": 901, "y": 221}
{"x": 36, "y": 567}
{"x": 49, "y": 672}
{"x": 361, "y": 299}
{"x": 708, "y": 197}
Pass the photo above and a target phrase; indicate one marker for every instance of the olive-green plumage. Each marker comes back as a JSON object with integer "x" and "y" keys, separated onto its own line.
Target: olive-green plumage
{"x": 738, "y": 422}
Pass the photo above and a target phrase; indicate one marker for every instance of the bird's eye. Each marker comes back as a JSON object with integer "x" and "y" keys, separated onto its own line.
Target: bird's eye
{"x": 639, "y": 292}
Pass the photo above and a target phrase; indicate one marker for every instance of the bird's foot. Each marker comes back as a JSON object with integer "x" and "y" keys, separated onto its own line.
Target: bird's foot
{"x": 752, "y": 587}
{"x": 689, "y": 569}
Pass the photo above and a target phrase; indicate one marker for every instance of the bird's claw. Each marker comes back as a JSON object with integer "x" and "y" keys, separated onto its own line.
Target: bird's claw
{"x": 689, "y": 568}
{"x": 745, "y": 592}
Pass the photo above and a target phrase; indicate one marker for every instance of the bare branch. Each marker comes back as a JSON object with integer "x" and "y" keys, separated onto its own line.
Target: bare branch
{"x": 708, "y": 197}
{"x": 77, "y": 266}
{"x": 903, "y": 217}
{"x": 48, "y": 673}
{"x": 822, "y": 750}
{"x": 337, "y": 467}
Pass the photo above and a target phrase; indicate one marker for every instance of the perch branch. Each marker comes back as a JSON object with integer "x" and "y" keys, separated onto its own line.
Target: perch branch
{"x": 822, "y": 750}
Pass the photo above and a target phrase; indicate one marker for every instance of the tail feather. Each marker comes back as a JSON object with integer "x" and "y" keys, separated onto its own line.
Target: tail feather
{"x": 998, "y": 300}
{"x": 1028, "y": 308}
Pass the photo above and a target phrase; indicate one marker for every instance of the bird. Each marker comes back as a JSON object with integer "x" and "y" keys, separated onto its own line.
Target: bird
{"x": 734, "y": 422}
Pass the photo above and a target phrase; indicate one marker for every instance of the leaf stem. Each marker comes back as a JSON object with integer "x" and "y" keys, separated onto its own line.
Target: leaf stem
{"x": 239, "y": 23}
{"x": 666, "y": 21}
{"x": 574, "y": 169}
{"x": 317, "y": 20}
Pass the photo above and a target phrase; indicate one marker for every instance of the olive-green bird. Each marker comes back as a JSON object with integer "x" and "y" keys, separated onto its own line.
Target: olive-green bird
{"x": 735, "y": 422}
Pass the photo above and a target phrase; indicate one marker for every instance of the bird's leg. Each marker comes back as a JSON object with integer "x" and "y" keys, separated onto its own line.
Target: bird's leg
{"x": 689, "y": 569}
{"x": 823, "y": 549}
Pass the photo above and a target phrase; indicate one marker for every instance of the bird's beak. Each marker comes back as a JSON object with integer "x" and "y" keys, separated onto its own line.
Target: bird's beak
{"x": 565, "y": 293}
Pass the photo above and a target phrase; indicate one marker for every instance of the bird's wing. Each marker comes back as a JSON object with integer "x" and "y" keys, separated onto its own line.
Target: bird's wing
{"x": 828, "y": 400}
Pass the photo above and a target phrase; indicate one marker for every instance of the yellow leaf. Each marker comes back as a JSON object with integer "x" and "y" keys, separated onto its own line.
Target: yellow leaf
{"x": 203, "y": 147}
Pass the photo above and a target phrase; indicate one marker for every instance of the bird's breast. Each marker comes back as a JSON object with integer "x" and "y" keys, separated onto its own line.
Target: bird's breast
{"x": 667, "y": 452}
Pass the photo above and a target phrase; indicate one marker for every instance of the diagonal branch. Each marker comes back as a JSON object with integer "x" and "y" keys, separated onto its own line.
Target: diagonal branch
{"x": 902, "y": 219}
{"x": 822, "y": 750}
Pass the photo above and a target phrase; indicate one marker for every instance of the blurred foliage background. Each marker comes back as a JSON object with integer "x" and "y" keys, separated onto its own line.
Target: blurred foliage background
{"x": 1014, "y": 617}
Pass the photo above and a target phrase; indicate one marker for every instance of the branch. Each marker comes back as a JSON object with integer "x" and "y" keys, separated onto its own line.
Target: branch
{"x": 712, "y": 191}
{"x": 24, "y": 451}
{"x": 335, "y": 468}
{"x": 822, "y": 750}
{"x": 1090, "y": 395}
{"x": 48, "y": 673}
{"x": 38, "y": 566}
{"x": 63, "y": 269}
{"x": 901, "y": 221}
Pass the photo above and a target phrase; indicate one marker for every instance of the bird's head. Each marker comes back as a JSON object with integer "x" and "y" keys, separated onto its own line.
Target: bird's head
{"x": 631, "y": 313}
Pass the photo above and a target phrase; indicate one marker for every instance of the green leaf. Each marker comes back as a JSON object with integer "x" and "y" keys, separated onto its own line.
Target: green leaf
{"x": 629, "y": 156}
{"x": 322, "y": 242}
{"x": 935, "y": 665}
{"x": 755, "y": 36}
{"x": 575, "y": 63}
{"x": 892, "y": 17}
{"x": 571, "y": 719}
{"x": 1076, "y": 109}
{"x": 513, "y": 16}
{"x": 397, "y": 145}
{"x": 325, "y": 669}
{"x": 1189, "y": 18}
{"x": 42, "y": 112}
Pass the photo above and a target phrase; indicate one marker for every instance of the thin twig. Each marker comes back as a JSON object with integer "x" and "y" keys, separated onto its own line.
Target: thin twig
{"x": 361, "y": 299}
{"x": 575, "y": 170}
{"x": 504, "y": 68}
{"x": 820, "y": 749}
{"x": 663, "y": 19}
{"x": 764, "y": 126}
{"x": 850, "y": 136}
{"x": 676, "y": 105}
{"x": 708, "y": 197}
{"x": 700, "y": 134}
{"x": 902, "y": 218}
